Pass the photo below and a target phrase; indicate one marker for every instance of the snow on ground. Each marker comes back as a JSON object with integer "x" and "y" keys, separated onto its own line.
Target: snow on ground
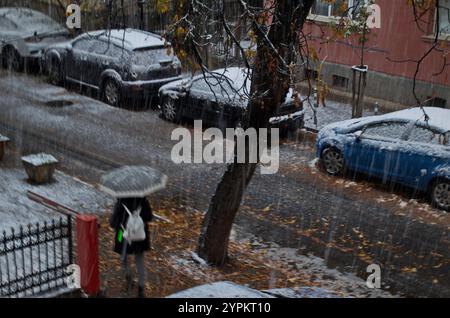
{"x": 231, "y": 290}
{"x": 220, "y": 290}
{"x": 16, "y": 209}
{"x": 319, "y": 280}
{"x": 343, "y": 284}
{"x": 333, "y": 112}
{"x": 302, "y": 292}
{"x": 328, "y": 282}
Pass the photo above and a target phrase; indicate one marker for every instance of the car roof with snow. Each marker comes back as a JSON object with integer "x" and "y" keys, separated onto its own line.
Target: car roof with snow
{"x": 438, "y": 118}
{"x": 131, "y": 39}
{"x": 239, "y": 79}
{"x": 236, "y": 75}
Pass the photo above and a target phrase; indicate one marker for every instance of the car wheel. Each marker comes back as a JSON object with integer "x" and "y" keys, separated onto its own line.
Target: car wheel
{"x": 54, "y": 72}
{"x": 440, "y": 194}
{"x": 12, "y": 60}
{"x": 111, "y": 92}
{"x": 333, "y": 161}
{"x": 170, "y": 110}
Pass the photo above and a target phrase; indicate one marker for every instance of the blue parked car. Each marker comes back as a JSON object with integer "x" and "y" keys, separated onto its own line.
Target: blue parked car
{"x": 410, "y": 147}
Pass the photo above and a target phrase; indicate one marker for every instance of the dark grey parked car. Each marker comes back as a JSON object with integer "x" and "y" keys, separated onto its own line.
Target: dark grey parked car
{"x": 116, "y": 63}
{"x": 221, "y": 100}
{"x": 24, "y": 34}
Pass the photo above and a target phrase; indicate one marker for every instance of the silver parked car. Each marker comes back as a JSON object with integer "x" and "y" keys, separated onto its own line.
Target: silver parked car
{"x": 24, "y": 34}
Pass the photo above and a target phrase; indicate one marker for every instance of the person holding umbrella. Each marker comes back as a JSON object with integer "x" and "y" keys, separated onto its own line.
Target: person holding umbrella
{"x": 122, "y": 245}
{"x": 131, "y": 214}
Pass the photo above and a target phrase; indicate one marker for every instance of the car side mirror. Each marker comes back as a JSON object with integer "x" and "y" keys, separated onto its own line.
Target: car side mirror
{"x": 186, "y": 88}
{"x": 358, "y": 135}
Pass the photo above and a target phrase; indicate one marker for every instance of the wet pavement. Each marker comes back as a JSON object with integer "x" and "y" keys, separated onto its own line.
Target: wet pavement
{"x": 348, "y": 223}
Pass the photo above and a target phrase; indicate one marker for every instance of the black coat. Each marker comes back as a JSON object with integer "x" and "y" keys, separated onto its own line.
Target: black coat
{"x": 119, "y": 218}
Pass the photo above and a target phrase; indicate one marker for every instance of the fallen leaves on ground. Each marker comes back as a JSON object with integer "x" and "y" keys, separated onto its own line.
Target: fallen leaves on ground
{"x": 171, "y": 268}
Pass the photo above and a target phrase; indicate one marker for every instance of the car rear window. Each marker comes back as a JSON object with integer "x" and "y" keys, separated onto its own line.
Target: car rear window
{"x": 148, "y": 56}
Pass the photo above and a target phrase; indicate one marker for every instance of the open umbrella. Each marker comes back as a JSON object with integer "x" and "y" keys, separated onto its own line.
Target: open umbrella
{"x": 133, "y": 182}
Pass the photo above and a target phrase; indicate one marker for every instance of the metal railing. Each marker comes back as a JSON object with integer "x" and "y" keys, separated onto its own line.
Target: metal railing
{"x": 34, "y": 258}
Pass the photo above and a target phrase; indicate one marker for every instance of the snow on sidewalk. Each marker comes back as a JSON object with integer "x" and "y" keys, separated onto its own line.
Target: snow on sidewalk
{"x": 333, "y": 112}
{"x": 16, "y": 209}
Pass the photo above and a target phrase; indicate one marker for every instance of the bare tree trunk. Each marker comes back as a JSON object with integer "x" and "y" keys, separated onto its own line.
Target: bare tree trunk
{"x": 283, "y": 36}
{"x": 216, "y": 229}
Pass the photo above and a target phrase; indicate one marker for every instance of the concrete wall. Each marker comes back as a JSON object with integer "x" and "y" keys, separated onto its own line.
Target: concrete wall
{"x": 391, "y": 88}
{"x": 398, "y": 39}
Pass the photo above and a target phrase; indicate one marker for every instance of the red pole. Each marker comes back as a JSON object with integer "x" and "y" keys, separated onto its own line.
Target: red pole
{"x": 87, "y": 253}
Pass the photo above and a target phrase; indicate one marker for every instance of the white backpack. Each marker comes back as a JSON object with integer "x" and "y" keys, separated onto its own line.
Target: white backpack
{"x": 135, "y": 228}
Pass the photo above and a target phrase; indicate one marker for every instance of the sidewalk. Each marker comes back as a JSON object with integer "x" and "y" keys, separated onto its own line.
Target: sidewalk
{"x": 171, "y": 266}
{"x": 17, "y": 209}
{"x": 317, "y": 118}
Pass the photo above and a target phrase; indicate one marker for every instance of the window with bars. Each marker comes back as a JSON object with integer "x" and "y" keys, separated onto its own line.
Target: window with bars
{"x": 336, "y": 8}
{"x": 444, "y": 17}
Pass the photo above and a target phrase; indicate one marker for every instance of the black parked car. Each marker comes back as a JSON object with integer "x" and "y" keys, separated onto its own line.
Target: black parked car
{"x": 24, "y": 34}
{"x": 116, "y": 63}
{"x": 221, "y": 100}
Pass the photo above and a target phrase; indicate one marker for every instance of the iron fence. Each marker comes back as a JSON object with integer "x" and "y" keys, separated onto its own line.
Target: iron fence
{"x": 34, "y": 258}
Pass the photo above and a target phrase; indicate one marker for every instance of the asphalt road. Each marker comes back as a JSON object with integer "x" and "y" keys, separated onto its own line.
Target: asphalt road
{"x": 349, "y": 223}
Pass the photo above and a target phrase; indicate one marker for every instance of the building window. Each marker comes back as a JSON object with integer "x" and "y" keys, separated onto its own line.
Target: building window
{"x": 444, "y": 17}
{"x": 311, "y": 74}
{"x": 336, "y": 9}
{"x": 324, "y": 8}
{"x": 340, "y": 81}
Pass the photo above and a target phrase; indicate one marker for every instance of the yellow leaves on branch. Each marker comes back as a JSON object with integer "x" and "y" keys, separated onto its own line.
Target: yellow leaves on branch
{"x": 422, "y": 4}
{"x": 162, "y": 6}
{"x": 313, "y": 54}
{"x": 180, "y": 32}
{"x": 182, "y": 55}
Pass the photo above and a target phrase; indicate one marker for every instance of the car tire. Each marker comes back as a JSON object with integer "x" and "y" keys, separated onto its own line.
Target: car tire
{"x": 440, "y": 194}
{"x": 332, "y": 161}
{"x": 54, "y": 70}
{"x": 111, "y": 92}
{"x": 170, "y": 110}
{"x": 11, "y": 59}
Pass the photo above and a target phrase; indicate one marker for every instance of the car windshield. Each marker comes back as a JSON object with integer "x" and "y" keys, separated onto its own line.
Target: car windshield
{"x": 148, "y": 56}
{"x": 38, "y": 23}
{"x": 426, "y": 135}
{"x": 6, "y": 24}
{"x": 447, "y": 138}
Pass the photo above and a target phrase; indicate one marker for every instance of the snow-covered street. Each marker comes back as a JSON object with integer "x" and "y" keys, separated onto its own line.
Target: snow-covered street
{"x": 310, "y": 211}
{"x": 18, "y": 210}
